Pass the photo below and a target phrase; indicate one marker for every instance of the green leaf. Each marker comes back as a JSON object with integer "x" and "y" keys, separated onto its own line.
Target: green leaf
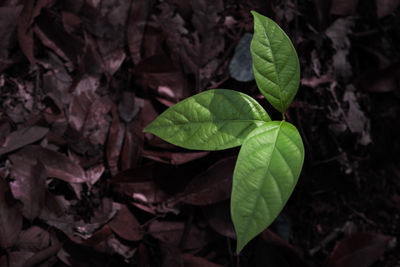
{"x": 266, "y": 172}
{"x": 212, "y": 120}
{"x": 275, "y": 63}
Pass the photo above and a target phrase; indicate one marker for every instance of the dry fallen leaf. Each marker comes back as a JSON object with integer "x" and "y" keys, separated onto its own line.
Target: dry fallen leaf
{"x": 49, "y": 29}
{"x": 218, "y": 216}
{"x": 10, "y": 217}
{"x": 194, "y": 261}
{"x": 360, "y": 249}
{"x": 380, "y": 80}
{"x": 139, "y": 14}
{"x": 33, "y": 239}
{"x": 57, "y": 165}
{"x": 115, "y": 140}
{"x": 174, "y": 158}
{"x": 277, "y": 252}
{"x": 212, "y": 186}
{"x": 138, "y": 184}
{"x": 125, "y": 225}
{"x": 16, "y": 258}
{"x": 8, "y": 23}
{"x": 23, "y": 137}
{"x": 172, "y": 232}
{"x": 343, "y": 7}
{"x": 386, "y": 7}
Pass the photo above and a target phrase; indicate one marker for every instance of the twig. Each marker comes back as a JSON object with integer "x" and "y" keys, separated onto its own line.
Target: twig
{"x": 361, "y": 215}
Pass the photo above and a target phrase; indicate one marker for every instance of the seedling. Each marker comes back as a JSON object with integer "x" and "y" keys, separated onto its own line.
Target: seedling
{"x": 272, "y": 152}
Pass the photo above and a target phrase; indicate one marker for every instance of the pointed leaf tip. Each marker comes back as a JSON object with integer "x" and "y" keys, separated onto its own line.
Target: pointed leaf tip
{"x": 275, "y": 63}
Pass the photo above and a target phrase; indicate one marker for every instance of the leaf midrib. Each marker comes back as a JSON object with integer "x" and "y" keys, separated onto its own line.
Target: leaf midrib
{"x": 274, "y": 63}
{"x": 250, "y": 218}
{"x": 204, "y": 122}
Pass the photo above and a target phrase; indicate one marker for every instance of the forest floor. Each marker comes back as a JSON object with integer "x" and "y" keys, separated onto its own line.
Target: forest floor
{"x": 81, "y": 185}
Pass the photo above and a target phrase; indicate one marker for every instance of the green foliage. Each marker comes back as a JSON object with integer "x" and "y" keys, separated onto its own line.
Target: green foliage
{"x": 265, "y": 175}
{"x": 275, "y": 63}
{"x": 272, "y": 152}
{"x": 212, "y": 120}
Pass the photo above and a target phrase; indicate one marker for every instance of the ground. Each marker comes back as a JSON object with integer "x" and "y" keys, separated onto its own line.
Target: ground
{"x": 82, "y": 185}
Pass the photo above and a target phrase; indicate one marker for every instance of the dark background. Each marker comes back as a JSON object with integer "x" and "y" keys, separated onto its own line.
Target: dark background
{"x": 81, "y": 185}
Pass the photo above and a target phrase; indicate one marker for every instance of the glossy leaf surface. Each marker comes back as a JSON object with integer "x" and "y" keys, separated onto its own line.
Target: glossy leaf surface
{"x": 266, "y": 172}
{"x": 275, "y": 63}
{"x": 212, "y": 120}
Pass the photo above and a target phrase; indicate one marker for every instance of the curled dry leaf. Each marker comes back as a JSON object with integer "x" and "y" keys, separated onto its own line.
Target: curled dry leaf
{"x": 57, "y": 165}
{"x": 50, "y": 31}
{"x": 133, "y": 146}
{"x": 10, "y": 217}
{"x": 139, "y": 13}
{"x": 115, "y": 141}
{"x": 360, "y": 249}
{"x": 212, "y": 186}
{"x": 125, "y": 225}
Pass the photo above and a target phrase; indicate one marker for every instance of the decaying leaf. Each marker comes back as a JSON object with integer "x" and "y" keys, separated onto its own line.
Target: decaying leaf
{"x": 23, "y": 137}
{"x": 8, "y": 24}
{"x": 277, "y": 252}
{"x": 125, "y": 225}
{"x": 172, "y": 232}
{"x": 195, "y": 261}
{"x": 29, "y": 187}
{"x": 139, "y": 12}
{"x": 115, "y": 141}
{"x": 10, "y": 217}
{"x": 219, "y": 217}
{"x": 33, "y": 239}
{"x": 360, "y": 249}
{"x": 16, "y": 258}
{"x": 57, "y": 165}
{"x": 214, "y": 185}
{"x": 386, "y": 7}
{"x": 138, "y": 184}
{"x": 174, "y": 158}
{"x": 343, "y": 7}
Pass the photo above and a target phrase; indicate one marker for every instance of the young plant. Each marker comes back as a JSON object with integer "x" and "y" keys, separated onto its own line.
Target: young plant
{"x": 272, "y": 152}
